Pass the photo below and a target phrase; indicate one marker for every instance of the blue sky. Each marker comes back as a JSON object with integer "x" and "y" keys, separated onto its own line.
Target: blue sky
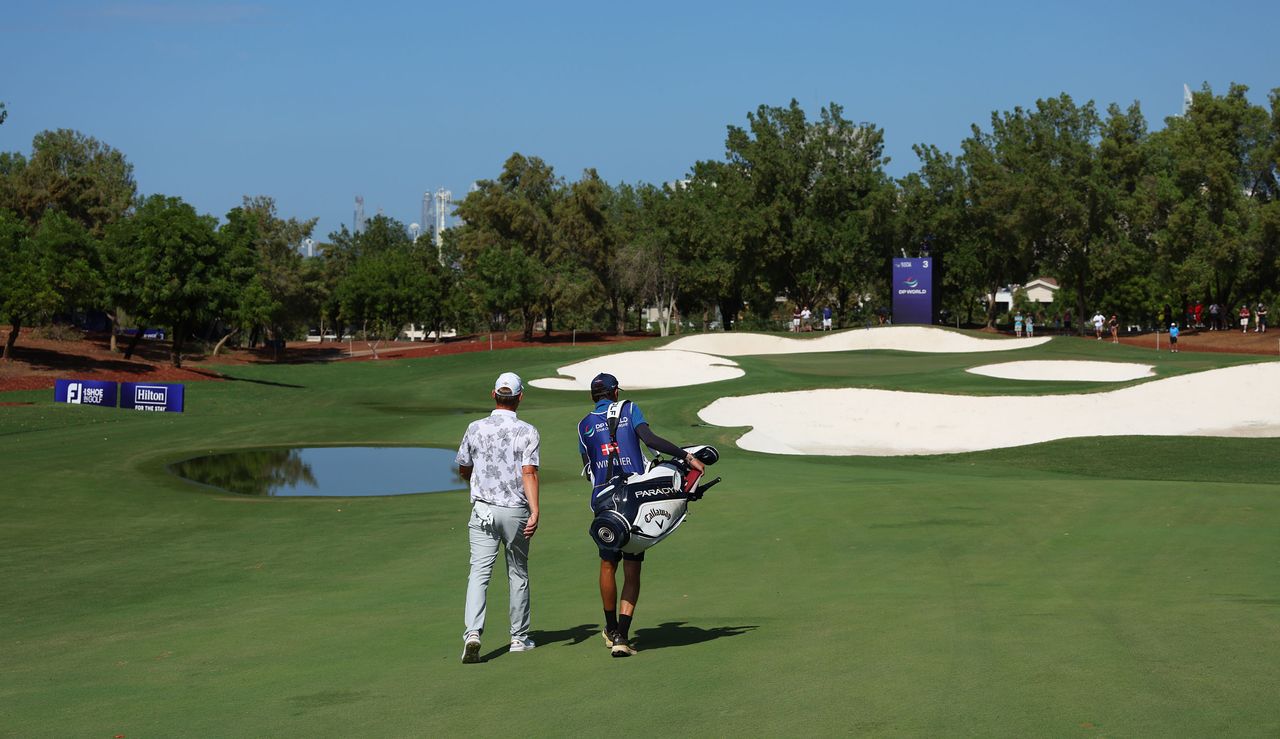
{"x": 313, "y": 103}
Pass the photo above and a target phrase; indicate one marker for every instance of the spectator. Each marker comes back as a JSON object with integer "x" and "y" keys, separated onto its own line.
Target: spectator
{"x": 1260, "y": 317}
{"x": 1098, "y": 320}
{"x": 1244, "y": 318}
{"x": 1017, "y": 325}
{"x": 826, "y": 318}
{"x": 1031, "y": 325}
{"x": 1173, "y": 337}
{"x": 806, "y": 319}
{"x": 795, "y": 321}
{"x": 1214, "y": 311}
{"x": 1114, "y": 326}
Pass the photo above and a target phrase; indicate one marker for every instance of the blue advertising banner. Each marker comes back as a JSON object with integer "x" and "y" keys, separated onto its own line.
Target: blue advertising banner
{"x": 913, "y": 290}
{"x": 85, "y": 392}
{"x": 151, "y": 396}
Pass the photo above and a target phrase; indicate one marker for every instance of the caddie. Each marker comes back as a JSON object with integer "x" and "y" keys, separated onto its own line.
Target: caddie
{"x": 597, "y": 446}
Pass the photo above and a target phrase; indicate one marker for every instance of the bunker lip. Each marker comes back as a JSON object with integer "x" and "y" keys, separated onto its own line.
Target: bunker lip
{"x": 1066, "y": 370}
{"x": 920, "y": 339}
{"x": 700, "y": 359}
{"x": 645, "y": 370}
{"x": 853, "y": 421}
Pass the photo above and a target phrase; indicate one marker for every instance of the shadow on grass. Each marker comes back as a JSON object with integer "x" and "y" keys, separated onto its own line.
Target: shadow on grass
{"x": 231, "y": 378}
{"x": 680, "y": 634}
{"x": 573, "y": 635}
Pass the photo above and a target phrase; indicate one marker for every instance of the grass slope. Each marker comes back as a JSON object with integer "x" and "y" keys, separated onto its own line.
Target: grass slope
{"x": 1093, "y": 587}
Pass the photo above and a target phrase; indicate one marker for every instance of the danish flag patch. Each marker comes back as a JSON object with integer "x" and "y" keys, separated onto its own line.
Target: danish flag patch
{"x": 609, "y": 448}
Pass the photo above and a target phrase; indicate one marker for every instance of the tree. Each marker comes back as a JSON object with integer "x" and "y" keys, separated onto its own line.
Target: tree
{"x": 1219, "y": 168}
{"x": 18, "y": 276}
{"x": 812, "y": 187}
{"x": 647, "y": 263}
{"x": 76, "y": 174}
{"x": 586, "y": 261}
{"x": 44, "y": 270}
{"x": 167, "y": 267}
{"x": 933, "y": 211}
{"x": 516, "y": 212}
{"x": 388, "y": 289}
{"x": 278, "y": 296}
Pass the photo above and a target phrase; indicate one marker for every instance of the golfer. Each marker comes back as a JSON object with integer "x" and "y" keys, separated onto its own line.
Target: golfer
{"x": 498, "y": 458}
{"x": 596, "y": 447}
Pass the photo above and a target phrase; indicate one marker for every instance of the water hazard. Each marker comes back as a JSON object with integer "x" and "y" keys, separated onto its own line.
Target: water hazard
{"x": 326, "y": 471}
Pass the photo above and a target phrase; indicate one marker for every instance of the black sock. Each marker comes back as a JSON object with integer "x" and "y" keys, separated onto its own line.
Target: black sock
{"x": 624, "y": 624}
{"x": 611, "y": 621}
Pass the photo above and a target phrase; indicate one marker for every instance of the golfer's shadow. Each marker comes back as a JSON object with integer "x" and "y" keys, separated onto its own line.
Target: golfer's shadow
{"x": 680, "y": 634}
{"x": 572, "y": 635}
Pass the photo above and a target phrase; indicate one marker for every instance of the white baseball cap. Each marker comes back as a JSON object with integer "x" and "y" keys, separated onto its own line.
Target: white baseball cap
{"x": 508, "y": 383}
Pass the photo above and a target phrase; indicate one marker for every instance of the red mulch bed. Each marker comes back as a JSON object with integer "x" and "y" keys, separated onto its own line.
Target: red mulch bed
{"x": 38, "y": 363}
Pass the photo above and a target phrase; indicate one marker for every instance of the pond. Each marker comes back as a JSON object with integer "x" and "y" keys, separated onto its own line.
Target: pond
{"x": 326, "y": 471}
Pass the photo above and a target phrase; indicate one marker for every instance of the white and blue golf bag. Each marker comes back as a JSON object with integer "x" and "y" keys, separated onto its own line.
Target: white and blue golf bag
{"x": 637, "y": 511}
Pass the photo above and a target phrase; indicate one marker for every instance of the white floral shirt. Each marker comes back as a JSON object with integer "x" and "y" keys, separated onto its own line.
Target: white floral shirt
{"x": 497, "y": 447}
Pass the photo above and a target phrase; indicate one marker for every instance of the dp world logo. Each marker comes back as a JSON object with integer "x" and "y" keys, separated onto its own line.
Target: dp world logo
{"x": 910, "y": 282}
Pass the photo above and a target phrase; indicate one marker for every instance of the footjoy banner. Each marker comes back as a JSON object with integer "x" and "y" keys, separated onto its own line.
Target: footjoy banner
{"x": 151, "y": 396}
{"x": 913, "y": 291}
{"x": 85, "y": 392}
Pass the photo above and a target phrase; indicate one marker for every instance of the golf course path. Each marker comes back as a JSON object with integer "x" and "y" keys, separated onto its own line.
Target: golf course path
{"x": 1232, "y": 402}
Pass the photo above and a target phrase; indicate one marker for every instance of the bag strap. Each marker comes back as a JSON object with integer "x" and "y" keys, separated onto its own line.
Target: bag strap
{"x": 611, "y": 419}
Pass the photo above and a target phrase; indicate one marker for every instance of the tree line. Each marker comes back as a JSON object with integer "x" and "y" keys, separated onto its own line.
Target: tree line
{"x": 799, "y": 209}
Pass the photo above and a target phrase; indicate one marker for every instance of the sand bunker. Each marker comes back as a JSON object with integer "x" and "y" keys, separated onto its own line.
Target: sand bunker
{"x": 1225, "y": 402}
{"x": 645, "y": 370}
{"x": 924, "y": 339}
{"x": 1066, "y": 370}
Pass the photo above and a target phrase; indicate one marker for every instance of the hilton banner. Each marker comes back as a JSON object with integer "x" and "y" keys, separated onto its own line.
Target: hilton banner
{"x": 153, "y": 396}
{"x": 913, "y": 290}
{"x": 85, "y": 392}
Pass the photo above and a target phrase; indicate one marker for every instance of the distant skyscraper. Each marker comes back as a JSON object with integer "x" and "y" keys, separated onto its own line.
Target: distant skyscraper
{"x": 425, "y": 220}
{"x": 442, "y": 199}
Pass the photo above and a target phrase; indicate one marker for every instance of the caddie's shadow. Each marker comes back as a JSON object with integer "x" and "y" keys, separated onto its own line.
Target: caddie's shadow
{"x": 680, "y": 634}
{"x": 573, "y": 635}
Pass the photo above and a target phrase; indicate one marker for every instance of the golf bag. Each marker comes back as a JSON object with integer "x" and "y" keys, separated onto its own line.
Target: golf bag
{"x": 635, "y": 512}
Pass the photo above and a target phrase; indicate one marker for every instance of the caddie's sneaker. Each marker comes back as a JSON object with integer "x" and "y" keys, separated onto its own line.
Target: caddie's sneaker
{"x": 621, "y": 647}
{"x": 522, "y": 644}
{"x": 609, "y": 637}
{"x": 471, "y": 649}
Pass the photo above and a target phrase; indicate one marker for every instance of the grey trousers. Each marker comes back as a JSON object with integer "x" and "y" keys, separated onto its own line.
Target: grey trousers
{"x": 489, "y": 526}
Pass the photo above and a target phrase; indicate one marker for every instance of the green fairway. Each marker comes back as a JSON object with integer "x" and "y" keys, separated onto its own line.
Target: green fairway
{"x": 1088, "y": 587}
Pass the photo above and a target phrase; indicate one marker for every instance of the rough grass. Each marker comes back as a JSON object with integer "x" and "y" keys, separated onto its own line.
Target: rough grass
{"x": 1110, "y": 587}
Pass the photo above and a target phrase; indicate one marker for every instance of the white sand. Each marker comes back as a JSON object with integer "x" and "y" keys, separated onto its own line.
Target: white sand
{"x": 924, "y": 339}
{"x": 1234, "y": 402}
{"x": 695, "y": 360}
{"x": 645, "y": 370}
{"x": 1066, "y": 370}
